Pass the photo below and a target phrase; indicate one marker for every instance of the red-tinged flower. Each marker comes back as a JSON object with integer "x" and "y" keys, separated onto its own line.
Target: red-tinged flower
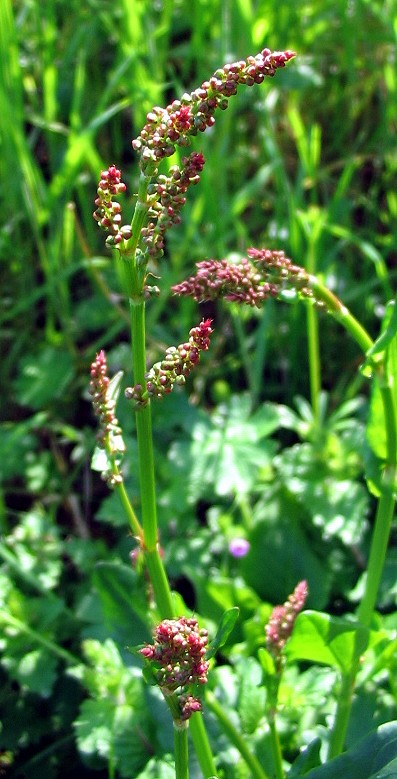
{"x": 108, "y": 211}
{"x": 221, "y": 279}
{"x": 177, "y": 654}
{"x": 267, "y": 273}
{"x": 173, "y": 126}
{"x": 167, "y": 198}
{"x": 109, "y": 434}
{"x": 282, "y": 620}
{"x": 174, "y": 369}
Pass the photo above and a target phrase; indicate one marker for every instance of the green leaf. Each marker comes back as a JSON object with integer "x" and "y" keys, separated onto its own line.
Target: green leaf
{"x": 123, "y": 602}
{"x": 327, "y": 640}
{"x": 306, "y": 760}
{"x": 377, "y": 353}
{"x": 252, "y": 695}
{"x": 228, "y": 621}
{"x": 44, "y": 377}
{"x": 374, "y": 757}
{"x": 228, "y": 452}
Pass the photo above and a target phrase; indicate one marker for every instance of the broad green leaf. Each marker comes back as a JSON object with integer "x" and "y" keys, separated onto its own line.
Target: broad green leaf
{"x": 226, "y": 626}
{"x": 281, "y": 555}
{"x": 228, "y": 451}
{"x": 123, "y": 602}
{"x": 327, "y": 640}
{"x": 252, "y": 695}
{"x": 374, "y": 757}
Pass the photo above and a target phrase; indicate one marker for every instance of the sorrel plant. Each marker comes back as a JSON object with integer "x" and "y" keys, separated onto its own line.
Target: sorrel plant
{"x": 179, "y": 659}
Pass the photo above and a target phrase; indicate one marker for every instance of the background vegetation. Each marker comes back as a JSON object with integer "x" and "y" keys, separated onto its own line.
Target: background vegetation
{"x": 306, "y": 163}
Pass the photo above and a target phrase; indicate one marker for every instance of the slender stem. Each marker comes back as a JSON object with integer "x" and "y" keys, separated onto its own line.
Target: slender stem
{"x": 235, "y": 737}
{"x": 181, "y": 751}
{"x": 341, "y": 313}
{"x": 133, "y": 521}
{"x": 63, "y": 654}
{"x": 384, "y": 512}
{"x": 157, "y": 573}
{"x": 313, "y": 340}
{"x": 276, "y": 749}
{"x": 314, "y": 362}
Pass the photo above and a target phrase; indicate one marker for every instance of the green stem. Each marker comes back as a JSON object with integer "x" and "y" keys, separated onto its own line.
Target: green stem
{"x": 181, "y": 751}
{"x": 314, "y": 362}
{"x": 235, "y": 737}
{"x": 133, "y": 521}
{"x": 384, "y": 512}
{"x": 38, "y": 638}
{"x": 313, "y": 340}
{"x": 276, "y": 749}
{"x": 156, "y": 570}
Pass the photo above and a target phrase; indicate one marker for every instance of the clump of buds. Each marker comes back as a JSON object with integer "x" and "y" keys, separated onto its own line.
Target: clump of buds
{"x": 167, "y": 197}
{"x": 282, "y": 620}
{"x": 109, "y": 435}
{"x": 108, "y": 211}
{"x": 265, "y": 274}
{"x": 174, "y": 369}
{"x": 174, "y": 125}
{"x": 177, "y": 660}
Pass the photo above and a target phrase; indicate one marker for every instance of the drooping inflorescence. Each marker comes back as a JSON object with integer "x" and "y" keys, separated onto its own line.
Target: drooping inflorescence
{"x": 174, "y": 125}
{"x": 266, "y": 274}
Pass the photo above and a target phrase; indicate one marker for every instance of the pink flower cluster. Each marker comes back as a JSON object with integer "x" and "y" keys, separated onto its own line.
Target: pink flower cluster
{"x": 167, "y": 198}
{"x": 167, "y": 127}
{"x": 282, "y": 620}
{"x": 251, "y": 281}
{"x": 108, "y": 211}
{"x": 177, "y": 659}
{"x": 174, "y": 369}
{"x": 109, "y": 434}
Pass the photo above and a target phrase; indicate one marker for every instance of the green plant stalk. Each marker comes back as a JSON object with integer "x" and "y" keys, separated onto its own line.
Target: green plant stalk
{"x": 181, "y": 751}
{"x": 38, "y": 638}
{"x": 384, "y": 512}
{"x": 235, "y": 737}
{"x": 276, "y": 749}
{"x": 376, "y": 562}
{"x": 134, "y": 283}
{"x": 313, "y": 341}
{"x": 157, "y": 573}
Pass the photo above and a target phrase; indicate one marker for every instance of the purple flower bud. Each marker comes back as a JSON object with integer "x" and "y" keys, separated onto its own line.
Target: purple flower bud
{"x": 239, "y": 547}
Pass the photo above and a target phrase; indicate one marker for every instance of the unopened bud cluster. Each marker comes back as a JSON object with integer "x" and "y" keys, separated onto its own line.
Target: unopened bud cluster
{"x": 108, "y": 211}
{"x": 174, "y": 369}
{"x": 265, "y": 274}
{"x": 109, "y": 433}
{"x": 177, "y": 658}
{"x": 193, "y": 113}
{"x": 167, "y": 198}
{"x": 282, "y": 620}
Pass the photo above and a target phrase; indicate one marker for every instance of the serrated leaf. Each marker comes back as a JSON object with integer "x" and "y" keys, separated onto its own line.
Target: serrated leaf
{"x": 326, "y": 640}
{"x": 227, "y": 623}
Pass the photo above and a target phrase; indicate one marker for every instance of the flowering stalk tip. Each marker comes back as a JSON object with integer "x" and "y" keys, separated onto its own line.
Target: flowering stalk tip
{"x": 282, "y": 620}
